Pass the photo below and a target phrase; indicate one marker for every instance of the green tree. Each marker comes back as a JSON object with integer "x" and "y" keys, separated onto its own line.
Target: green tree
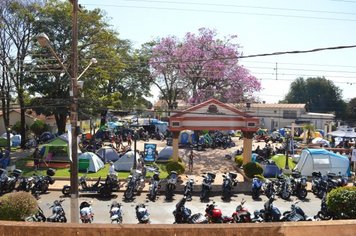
{"x": 351, "y": 112}
{"x": 38, "y": 127}
{"x": 309, "y": 130}
{"x": 319, "y": 95}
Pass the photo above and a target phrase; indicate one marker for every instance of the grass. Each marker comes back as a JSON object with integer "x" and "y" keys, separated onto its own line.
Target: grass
{"x": 65, "y": 172}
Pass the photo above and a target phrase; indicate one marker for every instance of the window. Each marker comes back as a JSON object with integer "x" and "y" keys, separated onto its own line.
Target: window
{"x": 175, "y": 124}
{"x": 289, "y": 114}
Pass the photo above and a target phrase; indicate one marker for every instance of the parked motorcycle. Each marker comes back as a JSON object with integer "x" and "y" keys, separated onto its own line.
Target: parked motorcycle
{"x": 171, "y": 184}
{"x": 324, "y": 213}
{"x": 256, "y": 188}
{"x": 317, "y": 184}
{"x": 183, "y": 215}
{"x": 269, "y": 188}
{"x": 142, "y": 214}
{"x": 283, "y": 187}
{"x": 38, "y": 217}
{"x": 269, "y": 213}
{"x": 241, "y": 214}
{"x": 188, "y": 188}
{"x": 41, "y": 183}
{"x": 86, "y": 213}
{"x": 116, "y": 212}
{"x": 228, "y": 182}
{"x": 8, "y": 182}
{"x": 299, "y": 185}
{"x": 58, "y": 214}
{"x": 84, "y": 187}
{"x": 133, "y": 185}
{"x": 214, "y": 215}
{"x": 154, "y": 186}
{"x": 25, "y": 184}
{"x": 208, "y": 179}
{"x": 295, "y": 214}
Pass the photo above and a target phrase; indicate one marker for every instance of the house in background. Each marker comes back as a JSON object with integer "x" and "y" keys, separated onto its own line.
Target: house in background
{"x": 30, "y": 118}
{"x": 275, "y": 116}
{"x": 15, "y": 116}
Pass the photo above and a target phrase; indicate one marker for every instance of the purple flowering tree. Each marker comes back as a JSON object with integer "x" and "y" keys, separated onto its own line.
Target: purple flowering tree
{"x": 200, "y": 67}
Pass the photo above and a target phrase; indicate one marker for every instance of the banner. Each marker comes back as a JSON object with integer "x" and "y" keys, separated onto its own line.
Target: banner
{"x": 69, "y": 130}
{"x": 150, "y": 152}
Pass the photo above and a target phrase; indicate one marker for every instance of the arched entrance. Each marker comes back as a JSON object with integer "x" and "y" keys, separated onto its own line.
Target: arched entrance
{"x": 214, "y": 115}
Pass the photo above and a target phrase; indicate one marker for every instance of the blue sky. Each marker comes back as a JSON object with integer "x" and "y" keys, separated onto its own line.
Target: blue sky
{"x": 262, "y": 26}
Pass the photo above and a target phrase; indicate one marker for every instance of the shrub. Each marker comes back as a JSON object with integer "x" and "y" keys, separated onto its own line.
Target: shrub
{"x": 17, "y": 206}
{"x": 175, "y": 166}
{"x": 341, "y": 201}
{"x": 239, "y": 160}
{"x": 252, "y": 168}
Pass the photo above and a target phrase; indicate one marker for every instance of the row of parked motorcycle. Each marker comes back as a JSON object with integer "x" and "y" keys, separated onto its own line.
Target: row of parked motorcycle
{"x": 183, "y": 215}
{"x": 285, "y": 186}
{"x": 36, "y": 184}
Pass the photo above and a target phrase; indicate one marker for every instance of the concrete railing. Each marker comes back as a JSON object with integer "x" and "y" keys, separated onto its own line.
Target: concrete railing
{"x": 316, "y": 228}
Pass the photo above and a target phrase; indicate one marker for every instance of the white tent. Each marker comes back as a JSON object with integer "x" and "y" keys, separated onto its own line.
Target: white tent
{"x": 126, "y": 161}
{"x": 107, "y": 154}
{"x": 165, "y": 154}
{"x": 323, "y": 161}
{"x": 95, "y": 163}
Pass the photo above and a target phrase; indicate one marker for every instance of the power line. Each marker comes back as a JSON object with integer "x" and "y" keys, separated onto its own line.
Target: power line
{"x": 224, "y": 12}
{"x": 243, "y": 6}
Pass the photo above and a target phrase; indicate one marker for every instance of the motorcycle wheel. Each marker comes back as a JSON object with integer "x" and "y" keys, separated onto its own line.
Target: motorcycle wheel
{"x": 285, "y": 195}
{"x": 302, "y": 194}
{"x": 105, "y": 191}
{"x": 66, "y": 190}
{"x": 323, "y": 216}
{"x": 44, "y": 188}
{"x": 153, "y": 196}
{"x": 203, "y": 195}
{"x": 64, "y": 219}
{"x": 128, "y": 194}
{"x": 320, "y": 194}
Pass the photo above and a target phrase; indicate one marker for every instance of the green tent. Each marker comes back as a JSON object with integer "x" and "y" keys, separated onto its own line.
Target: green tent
{"x": 56, "y": 150}
{"x": 280, "y": 160}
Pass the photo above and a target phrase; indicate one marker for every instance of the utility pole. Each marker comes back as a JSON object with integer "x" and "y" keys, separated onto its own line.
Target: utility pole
{"x": 74, "y": 205}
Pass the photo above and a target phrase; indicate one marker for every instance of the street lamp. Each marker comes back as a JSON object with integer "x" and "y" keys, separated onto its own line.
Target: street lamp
{"x": 45, "y": 42}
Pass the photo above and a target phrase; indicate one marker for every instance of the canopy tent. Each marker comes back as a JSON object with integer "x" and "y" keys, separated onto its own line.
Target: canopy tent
{"x": 165, "y": 154}
{"x": 280, "y": 160}
{"x": 57, "y": 149}
{"x": 95, "y": 163}
{"x": 324, "y": 161}
{"x": 107, "y": 154}
{"x": 344, "y": 133}
{"x": 114, "y": 125}
{"x": 126, "y": 161}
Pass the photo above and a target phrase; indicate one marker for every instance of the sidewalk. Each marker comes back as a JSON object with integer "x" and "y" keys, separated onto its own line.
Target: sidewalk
{"x": 216, "y": 186}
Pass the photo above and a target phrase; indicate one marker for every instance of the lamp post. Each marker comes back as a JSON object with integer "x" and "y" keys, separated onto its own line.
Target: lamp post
{"x": 44, "y": 42}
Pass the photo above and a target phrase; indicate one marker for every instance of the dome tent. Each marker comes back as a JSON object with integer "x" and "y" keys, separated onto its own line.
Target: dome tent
{"x": 107, "y": 154}
{"x": 95, "y": 163}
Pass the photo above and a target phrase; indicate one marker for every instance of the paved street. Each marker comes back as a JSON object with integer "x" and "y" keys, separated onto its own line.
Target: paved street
{"x": 161, "y": 211}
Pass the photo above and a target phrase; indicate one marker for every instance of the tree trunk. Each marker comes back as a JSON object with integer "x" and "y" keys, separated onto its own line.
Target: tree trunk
{"x": 61, "y": 121}
{"x": 103, "y": 117}
{"x": 23, "y": 120}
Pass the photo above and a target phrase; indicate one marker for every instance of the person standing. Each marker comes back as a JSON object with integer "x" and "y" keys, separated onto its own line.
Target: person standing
{"x": 190, "y": 162}
{"x": 129, "y": 139}
{"x": 36, "y": 158}
{"x": 6, "y": 159}
{"x": 112, "y": 171}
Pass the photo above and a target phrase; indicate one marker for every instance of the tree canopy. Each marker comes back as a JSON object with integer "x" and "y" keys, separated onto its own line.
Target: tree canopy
{"x": 200, "y": 67}
{"x": 319, "y": 95}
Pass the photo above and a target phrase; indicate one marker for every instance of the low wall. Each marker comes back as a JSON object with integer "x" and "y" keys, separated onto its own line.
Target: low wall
{"x": 324, "y": 228}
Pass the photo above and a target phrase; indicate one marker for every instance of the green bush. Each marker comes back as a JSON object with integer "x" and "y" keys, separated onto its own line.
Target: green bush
{"x": 239, "y": 160}
{"x": 252, "y": 168}
{"x": 17, "y": 206}
{"x": 341, "y": 201}
{"x": 175, "y": 166}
